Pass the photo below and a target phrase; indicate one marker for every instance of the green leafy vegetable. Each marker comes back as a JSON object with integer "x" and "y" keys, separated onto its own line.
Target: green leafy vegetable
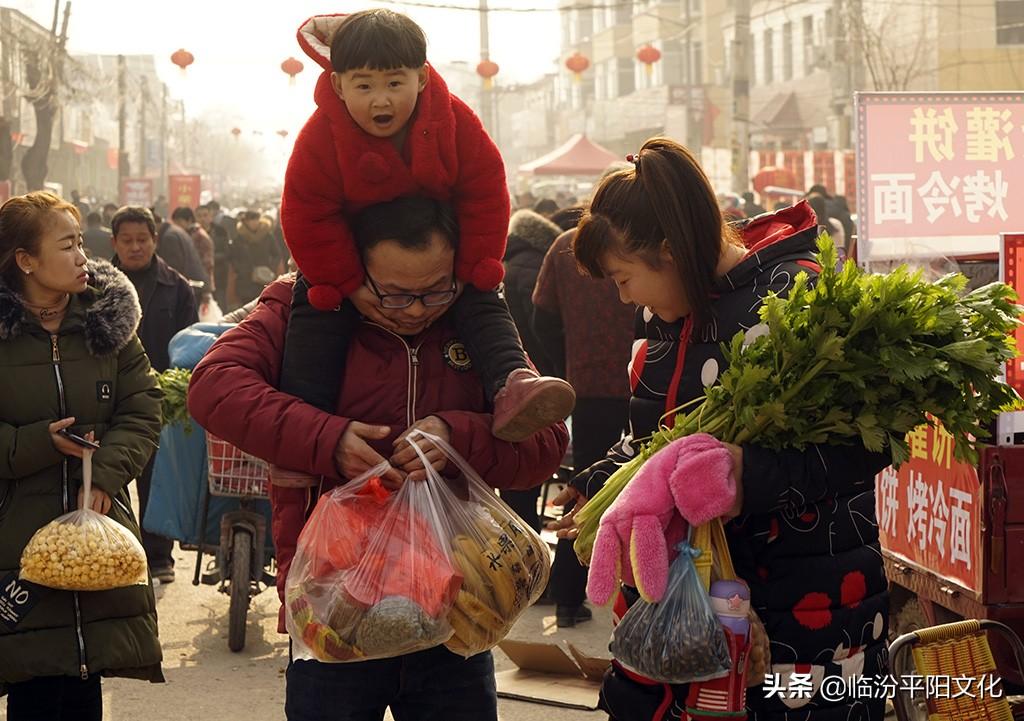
{"x": 174, "y": 384}
{"x": 852, "y": 358}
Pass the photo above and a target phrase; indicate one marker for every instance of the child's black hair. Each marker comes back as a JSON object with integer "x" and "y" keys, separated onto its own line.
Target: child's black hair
{"x": 378, "y": 39}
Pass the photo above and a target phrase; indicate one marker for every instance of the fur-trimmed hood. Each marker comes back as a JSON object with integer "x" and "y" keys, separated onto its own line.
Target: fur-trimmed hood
{"x": 263, "y": 229}
{"x": 532, "y": 230}
{"x": 110, "y": 306}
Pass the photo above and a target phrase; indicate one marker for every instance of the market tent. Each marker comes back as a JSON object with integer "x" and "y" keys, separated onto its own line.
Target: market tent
{"x": 578, "y": 156}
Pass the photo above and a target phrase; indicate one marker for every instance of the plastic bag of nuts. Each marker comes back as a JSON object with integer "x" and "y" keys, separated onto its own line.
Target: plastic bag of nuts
{"x": 84, "y": 550}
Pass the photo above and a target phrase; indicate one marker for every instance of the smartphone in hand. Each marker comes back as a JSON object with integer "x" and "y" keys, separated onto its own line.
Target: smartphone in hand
{"x": 83, "y": 442}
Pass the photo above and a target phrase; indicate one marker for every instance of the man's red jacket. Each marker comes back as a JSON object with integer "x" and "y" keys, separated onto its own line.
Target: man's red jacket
{"x": 336, "y": 169}
{"x": 386, "y": 381}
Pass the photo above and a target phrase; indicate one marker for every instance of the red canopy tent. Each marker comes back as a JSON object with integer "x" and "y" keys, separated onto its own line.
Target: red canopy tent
{"x": 578, "y": 156}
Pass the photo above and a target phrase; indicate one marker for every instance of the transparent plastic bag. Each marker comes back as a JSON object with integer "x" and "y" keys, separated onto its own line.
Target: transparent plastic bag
{"x": 679, "y": 639}
{"x": 379, "y": 574}
{"x": 84, "y": 550}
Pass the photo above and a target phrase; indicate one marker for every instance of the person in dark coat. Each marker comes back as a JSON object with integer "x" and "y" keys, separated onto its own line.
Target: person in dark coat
{"x": 69, "y": 359}
{"x": 168, "y": 305}
{"x": 583, "y": 319}
{"x": 803, "y": 532}
{"x": 529, "y": 237}
{"x": 96, "y": 237}
{"x": 177, "y": 249}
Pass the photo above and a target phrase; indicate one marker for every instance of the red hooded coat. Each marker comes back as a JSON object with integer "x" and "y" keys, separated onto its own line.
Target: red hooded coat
{"x": 337, "y": 169}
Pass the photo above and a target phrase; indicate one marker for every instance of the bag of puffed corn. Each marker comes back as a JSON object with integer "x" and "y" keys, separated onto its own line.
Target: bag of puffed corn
{"x": 84, "y": 550}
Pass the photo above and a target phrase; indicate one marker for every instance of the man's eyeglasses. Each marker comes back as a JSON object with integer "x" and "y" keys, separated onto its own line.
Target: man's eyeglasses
{"x": 397, "y": 301}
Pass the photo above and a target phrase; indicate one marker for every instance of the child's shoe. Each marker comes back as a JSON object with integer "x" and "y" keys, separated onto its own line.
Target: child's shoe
{"x": 528, "y": 403}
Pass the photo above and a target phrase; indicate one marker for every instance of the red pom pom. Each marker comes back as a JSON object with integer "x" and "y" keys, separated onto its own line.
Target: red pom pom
{"x": 324, "y": 297}
{"x": 487, "y": 274}
{"x": 374, "y": 168}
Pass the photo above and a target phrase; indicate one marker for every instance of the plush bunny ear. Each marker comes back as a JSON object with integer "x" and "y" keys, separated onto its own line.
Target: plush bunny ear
{"x": 701, "y": 482}
{"x": 605, "y": 565}
{"x": 648, "y": 556}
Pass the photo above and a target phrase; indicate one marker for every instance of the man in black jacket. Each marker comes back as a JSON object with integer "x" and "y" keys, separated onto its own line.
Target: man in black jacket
{"x": 168, "y": 305}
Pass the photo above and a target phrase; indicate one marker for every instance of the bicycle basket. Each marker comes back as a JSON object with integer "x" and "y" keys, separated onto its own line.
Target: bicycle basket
{"x": 233, "y": 472}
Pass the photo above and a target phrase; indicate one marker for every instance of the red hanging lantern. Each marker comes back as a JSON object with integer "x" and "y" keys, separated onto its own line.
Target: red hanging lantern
{"x": 236, "y": 132}
{"x": 182, "y": 58}
{"x": 487, "y": 69}
{"x": 291, "y": 67}
{"x": 283, "y": 133}
{"x": 648, "y": 55}
{"x": 577, "y": 63}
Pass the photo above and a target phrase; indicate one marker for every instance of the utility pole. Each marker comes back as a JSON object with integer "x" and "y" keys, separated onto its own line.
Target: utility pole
{"x": 741, "y": 98}
{"x": 143, "y": 102}
{"x": 487, "y": 93}
{"x": 184, "y": 136}
{"x": 122, "y": 122}
{"x": 693, "y": 139}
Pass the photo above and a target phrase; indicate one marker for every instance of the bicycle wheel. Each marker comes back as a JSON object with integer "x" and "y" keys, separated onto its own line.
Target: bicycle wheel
{"x": 241, "y": 571}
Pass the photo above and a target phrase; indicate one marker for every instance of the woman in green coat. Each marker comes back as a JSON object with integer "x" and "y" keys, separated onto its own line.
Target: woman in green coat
{"x": 69, "y": 358}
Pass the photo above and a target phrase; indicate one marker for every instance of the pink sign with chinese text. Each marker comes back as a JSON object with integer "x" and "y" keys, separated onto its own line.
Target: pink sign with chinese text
{"x": 939, "y": 174}
{"x": 929, "y": 511}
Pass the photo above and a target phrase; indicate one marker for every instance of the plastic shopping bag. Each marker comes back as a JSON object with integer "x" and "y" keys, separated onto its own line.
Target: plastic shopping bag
{"x": 679, "y": 639}
{"x": 84, "y": 550}
{"x": 379, "y": 574}
{"x": 503, "y": 562}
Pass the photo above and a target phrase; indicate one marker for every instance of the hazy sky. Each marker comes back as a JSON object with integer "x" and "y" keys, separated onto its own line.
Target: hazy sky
{"x": 239, "y": 46}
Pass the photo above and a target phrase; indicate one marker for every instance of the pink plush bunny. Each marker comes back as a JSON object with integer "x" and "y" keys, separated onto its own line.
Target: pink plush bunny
{"x": 688, "y": 481}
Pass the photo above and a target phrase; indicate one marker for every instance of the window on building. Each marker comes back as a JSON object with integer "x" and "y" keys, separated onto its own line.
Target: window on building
{"x": 768, "y": 60}
{"x": 673, "y": 62}
{"x": 697, "y": 51}
{"x": 830, "y": 28}
{"x": 623, "y": 12}
{"x": 808, "y": 43}
{"x": 626, "y": 78}
{"x": 787, "y": 51}
{"x": 574, "y": 27}
{"x": 1009, "y": 22}
{"x": 600, "y": 19}
{"x": 696, "y": 7}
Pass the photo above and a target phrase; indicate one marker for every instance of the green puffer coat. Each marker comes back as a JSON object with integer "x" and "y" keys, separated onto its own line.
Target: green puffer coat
{"x": 95, "y": 370}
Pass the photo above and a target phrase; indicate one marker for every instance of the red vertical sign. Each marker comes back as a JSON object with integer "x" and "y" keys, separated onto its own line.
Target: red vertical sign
{"x": 1012, "y": 257}
{"x": 183, "y": 191}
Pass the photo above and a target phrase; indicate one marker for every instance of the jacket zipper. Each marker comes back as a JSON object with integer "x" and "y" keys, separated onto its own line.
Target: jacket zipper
{"x": 83, "y": 668}
{"x": 414, "y": 364}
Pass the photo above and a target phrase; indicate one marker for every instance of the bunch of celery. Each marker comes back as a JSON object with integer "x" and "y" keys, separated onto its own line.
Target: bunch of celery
{"x": 852, "y": 358}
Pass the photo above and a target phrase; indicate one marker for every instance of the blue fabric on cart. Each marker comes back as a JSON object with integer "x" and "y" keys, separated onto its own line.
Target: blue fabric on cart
{"x": 180, "y": 470}
{"x": 179, "y": 482}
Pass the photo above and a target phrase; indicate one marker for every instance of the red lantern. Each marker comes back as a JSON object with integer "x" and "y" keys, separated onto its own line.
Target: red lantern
{"x": 236, "y": 132}
{"x": 648, "y": 55}
{"x": 182, "y": 58}
{"x": 577, "y": 63}
{"x": 291, "y": 67}
{"x": 487, "y": 69}
{"x": 283, "y": 133}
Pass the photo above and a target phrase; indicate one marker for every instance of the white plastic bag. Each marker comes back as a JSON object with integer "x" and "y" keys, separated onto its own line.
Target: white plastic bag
{"x": 84, "y": 550}
{"x": 379, "y": 573}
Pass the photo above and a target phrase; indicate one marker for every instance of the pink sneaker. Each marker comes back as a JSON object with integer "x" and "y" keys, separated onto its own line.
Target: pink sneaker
{"x": 528, "y": 403}
{"x": 286, "y": 478}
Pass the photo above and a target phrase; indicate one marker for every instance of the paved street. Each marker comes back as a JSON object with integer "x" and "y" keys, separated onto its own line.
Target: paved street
{"x": 206, "y": 681}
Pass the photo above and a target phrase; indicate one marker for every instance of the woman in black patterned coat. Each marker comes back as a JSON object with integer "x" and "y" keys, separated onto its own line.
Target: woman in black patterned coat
{"x": 803, "y": 532}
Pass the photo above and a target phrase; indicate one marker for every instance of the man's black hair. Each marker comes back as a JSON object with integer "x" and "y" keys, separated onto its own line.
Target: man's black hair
{"x": 408, "y": 221}
{"x": 185, "y": 213}
{"x": 251, "y": 215}
{"x": 213, "y": 205}
{"x": 378, "y": 39}
{"x": 93, "y": 219}
{"x": 133, "y": 214}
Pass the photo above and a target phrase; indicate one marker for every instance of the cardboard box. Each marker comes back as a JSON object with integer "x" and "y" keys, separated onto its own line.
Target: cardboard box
{"x": 547, "y": 674}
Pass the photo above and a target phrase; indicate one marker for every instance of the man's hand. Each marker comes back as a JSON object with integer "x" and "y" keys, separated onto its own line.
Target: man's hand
{"x": 368, "y": 304}
{"x": 566, "y": 527}
{"x": 737, "y": 477}
{"x": 405, "y": 456}
{"x": 99, "y": 501}
{"x": 354, "y": 456}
